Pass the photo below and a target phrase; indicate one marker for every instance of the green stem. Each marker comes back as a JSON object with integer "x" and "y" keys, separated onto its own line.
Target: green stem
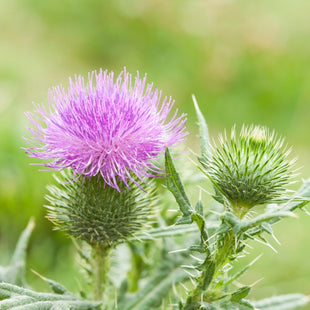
{"x": 225, "y": 251}
{"x": 100, "y": 267}
{"x": 210, "y": 271}
{"x": 240, "y": 210}
{"x": 211, "y": 267}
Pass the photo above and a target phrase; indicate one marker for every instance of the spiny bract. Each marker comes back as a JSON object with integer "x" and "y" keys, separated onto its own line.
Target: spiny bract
{"x": 250, "y": 168}
{"x": 88, "y": 209}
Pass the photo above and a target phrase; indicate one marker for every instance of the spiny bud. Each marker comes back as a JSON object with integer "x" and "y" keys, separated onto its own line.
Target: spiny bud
{"x": 250, "y": 168}
{"x": 90, "y": 210}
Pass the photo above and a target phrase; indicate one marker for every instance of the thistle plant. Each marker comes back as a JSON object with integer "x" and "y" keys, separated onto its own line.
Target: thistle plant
{"x": 106, "y": 140}
{"x": 109, "y": 134}
{"x": 246, "y": 170}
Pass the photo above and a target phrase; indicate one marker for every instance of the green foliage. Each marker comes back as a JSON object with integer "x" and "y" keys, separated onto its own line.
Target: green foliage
{"x": 205, "y": 145}
{"x": 175, "y": 185}
{"x": 167, "y": 231}
{"x": 14, "y": 296}
{"x": 258, "y": 152}
{"x": 18, "y": 298}
{"x": 283, "y": 302}
{"x": 15, "y": 272}
{"x": 88, "y": 209}
{"x": 245, "y": 60}
{"x": 158, "y": 286}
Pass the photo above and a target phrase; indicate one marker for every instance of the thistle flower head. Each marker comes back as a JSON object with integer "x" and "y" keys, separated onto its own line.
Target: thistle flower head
{"x": 100, "y": 215}
{"x": 113, "y": 128}
{"x": 250, "y": 168}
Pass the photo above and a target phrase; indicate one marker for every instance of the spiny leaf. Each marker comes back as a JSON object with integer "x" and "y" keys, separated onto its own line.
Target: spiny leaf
{"x": 208, "y": 274}
{"x": 18, "y": 298}
{"x": 282, "y": 302}
{"x": 203, "y": 130}
{"x": 202, "y": 225}
{"x": 157, "y": 287}
{"x": 302, "y": 197}
{"x": 240, "y": 293}
{"x": 15, "y": 272}
{"x": 169, "y": 231}
{"x": 245, "y": 225}
{"x": 236, "y": 276}
{"x": 176, "y": 187}
{"x": 241, "y": 305}
{"x": 201, "y": 305}
{"x": 55, "y": 286}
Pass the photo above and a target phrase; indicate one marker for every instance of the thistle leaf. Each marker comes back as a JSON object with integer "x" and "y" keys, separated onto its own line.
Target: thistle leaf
{"x": 302, "y": 195}
{"x": 202, "y": 306}
{"x": 168, "y": 231}
{"x": 18, "y": 298}
{"x": 176, "y": 187}
{"x": 208, "y": 274}
{"x": 240, "y": 293}
{"x": 282, "y": 302}
{"x": 236, "y": 276}
{"x": 241, "y": 305}
{"x": 263, "y": 218}
{"x": 55, "y": 286}
{"x": 15, "y": 272}
{"x": 203, "y": 130}
{"x": 157, "y": 287}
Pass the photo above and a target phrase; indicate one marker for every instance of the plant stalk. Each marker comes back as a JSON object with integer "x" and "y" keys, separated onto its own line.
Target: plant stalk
{"x": 211, "y": 269}
{"x": 100, "y": 267}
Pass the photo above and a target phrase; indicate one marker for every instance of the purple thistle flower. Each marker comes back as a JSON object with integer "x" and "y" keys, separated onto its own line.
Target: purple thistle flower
{"x": 113, "y": 128}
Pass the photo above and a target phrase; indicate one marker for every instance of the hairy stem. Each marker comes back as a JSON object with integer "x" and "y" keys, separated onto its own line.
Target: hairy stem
{"x": 100, "y": 267}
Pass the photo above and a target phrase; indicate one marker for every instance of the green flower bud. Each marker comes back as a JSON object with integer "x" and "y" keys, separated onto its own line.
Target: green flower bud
{"x": 88, "y": 209}
{"x": 250, "y": 168}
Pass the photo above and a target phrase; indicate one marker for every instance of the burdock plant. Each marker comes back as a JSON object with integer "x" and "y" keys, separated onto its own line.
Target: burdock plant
{"x": 105, "y": 138}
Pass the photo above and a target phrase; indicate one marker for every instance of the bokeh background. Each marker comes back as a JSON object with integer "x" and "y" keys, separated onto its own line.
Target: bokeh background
{"x": 246, "y": 62}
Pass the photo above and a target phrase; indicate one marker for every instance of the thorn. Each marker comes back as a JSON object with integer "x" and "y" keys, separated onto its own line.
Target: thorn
{"x": 196, "y": 258}
{"x": 276, "y": 239}
{"x": 31, "y": 223}
{"x": 255, "y": 259}
{"x": 37, "y": 274}
{"x": 217, "y": 213}
{"x": 137, "y": 238}
{"x": 246, "y": 244}
{"x": 176, "y": 251}
{"x": 174, "y": 289}
{"x": 204, "y": 190}
{"x": 188, "y": 266}
{"x": 115, "y": 296}
{"x": 267, "y": 244}
{"x": 193, "y": 281}
{"x": 190, "y": 274}
{"x": 253, "y": 284}
{"x": 195, "y": 101}
{"x": 186, "y": 289}
{"x": 305, "y": 210}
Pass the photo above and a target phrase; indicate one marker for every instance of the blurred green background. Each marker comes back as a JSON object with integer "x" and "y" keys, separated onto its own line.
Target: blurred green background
{"x": 246, "y": 62}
